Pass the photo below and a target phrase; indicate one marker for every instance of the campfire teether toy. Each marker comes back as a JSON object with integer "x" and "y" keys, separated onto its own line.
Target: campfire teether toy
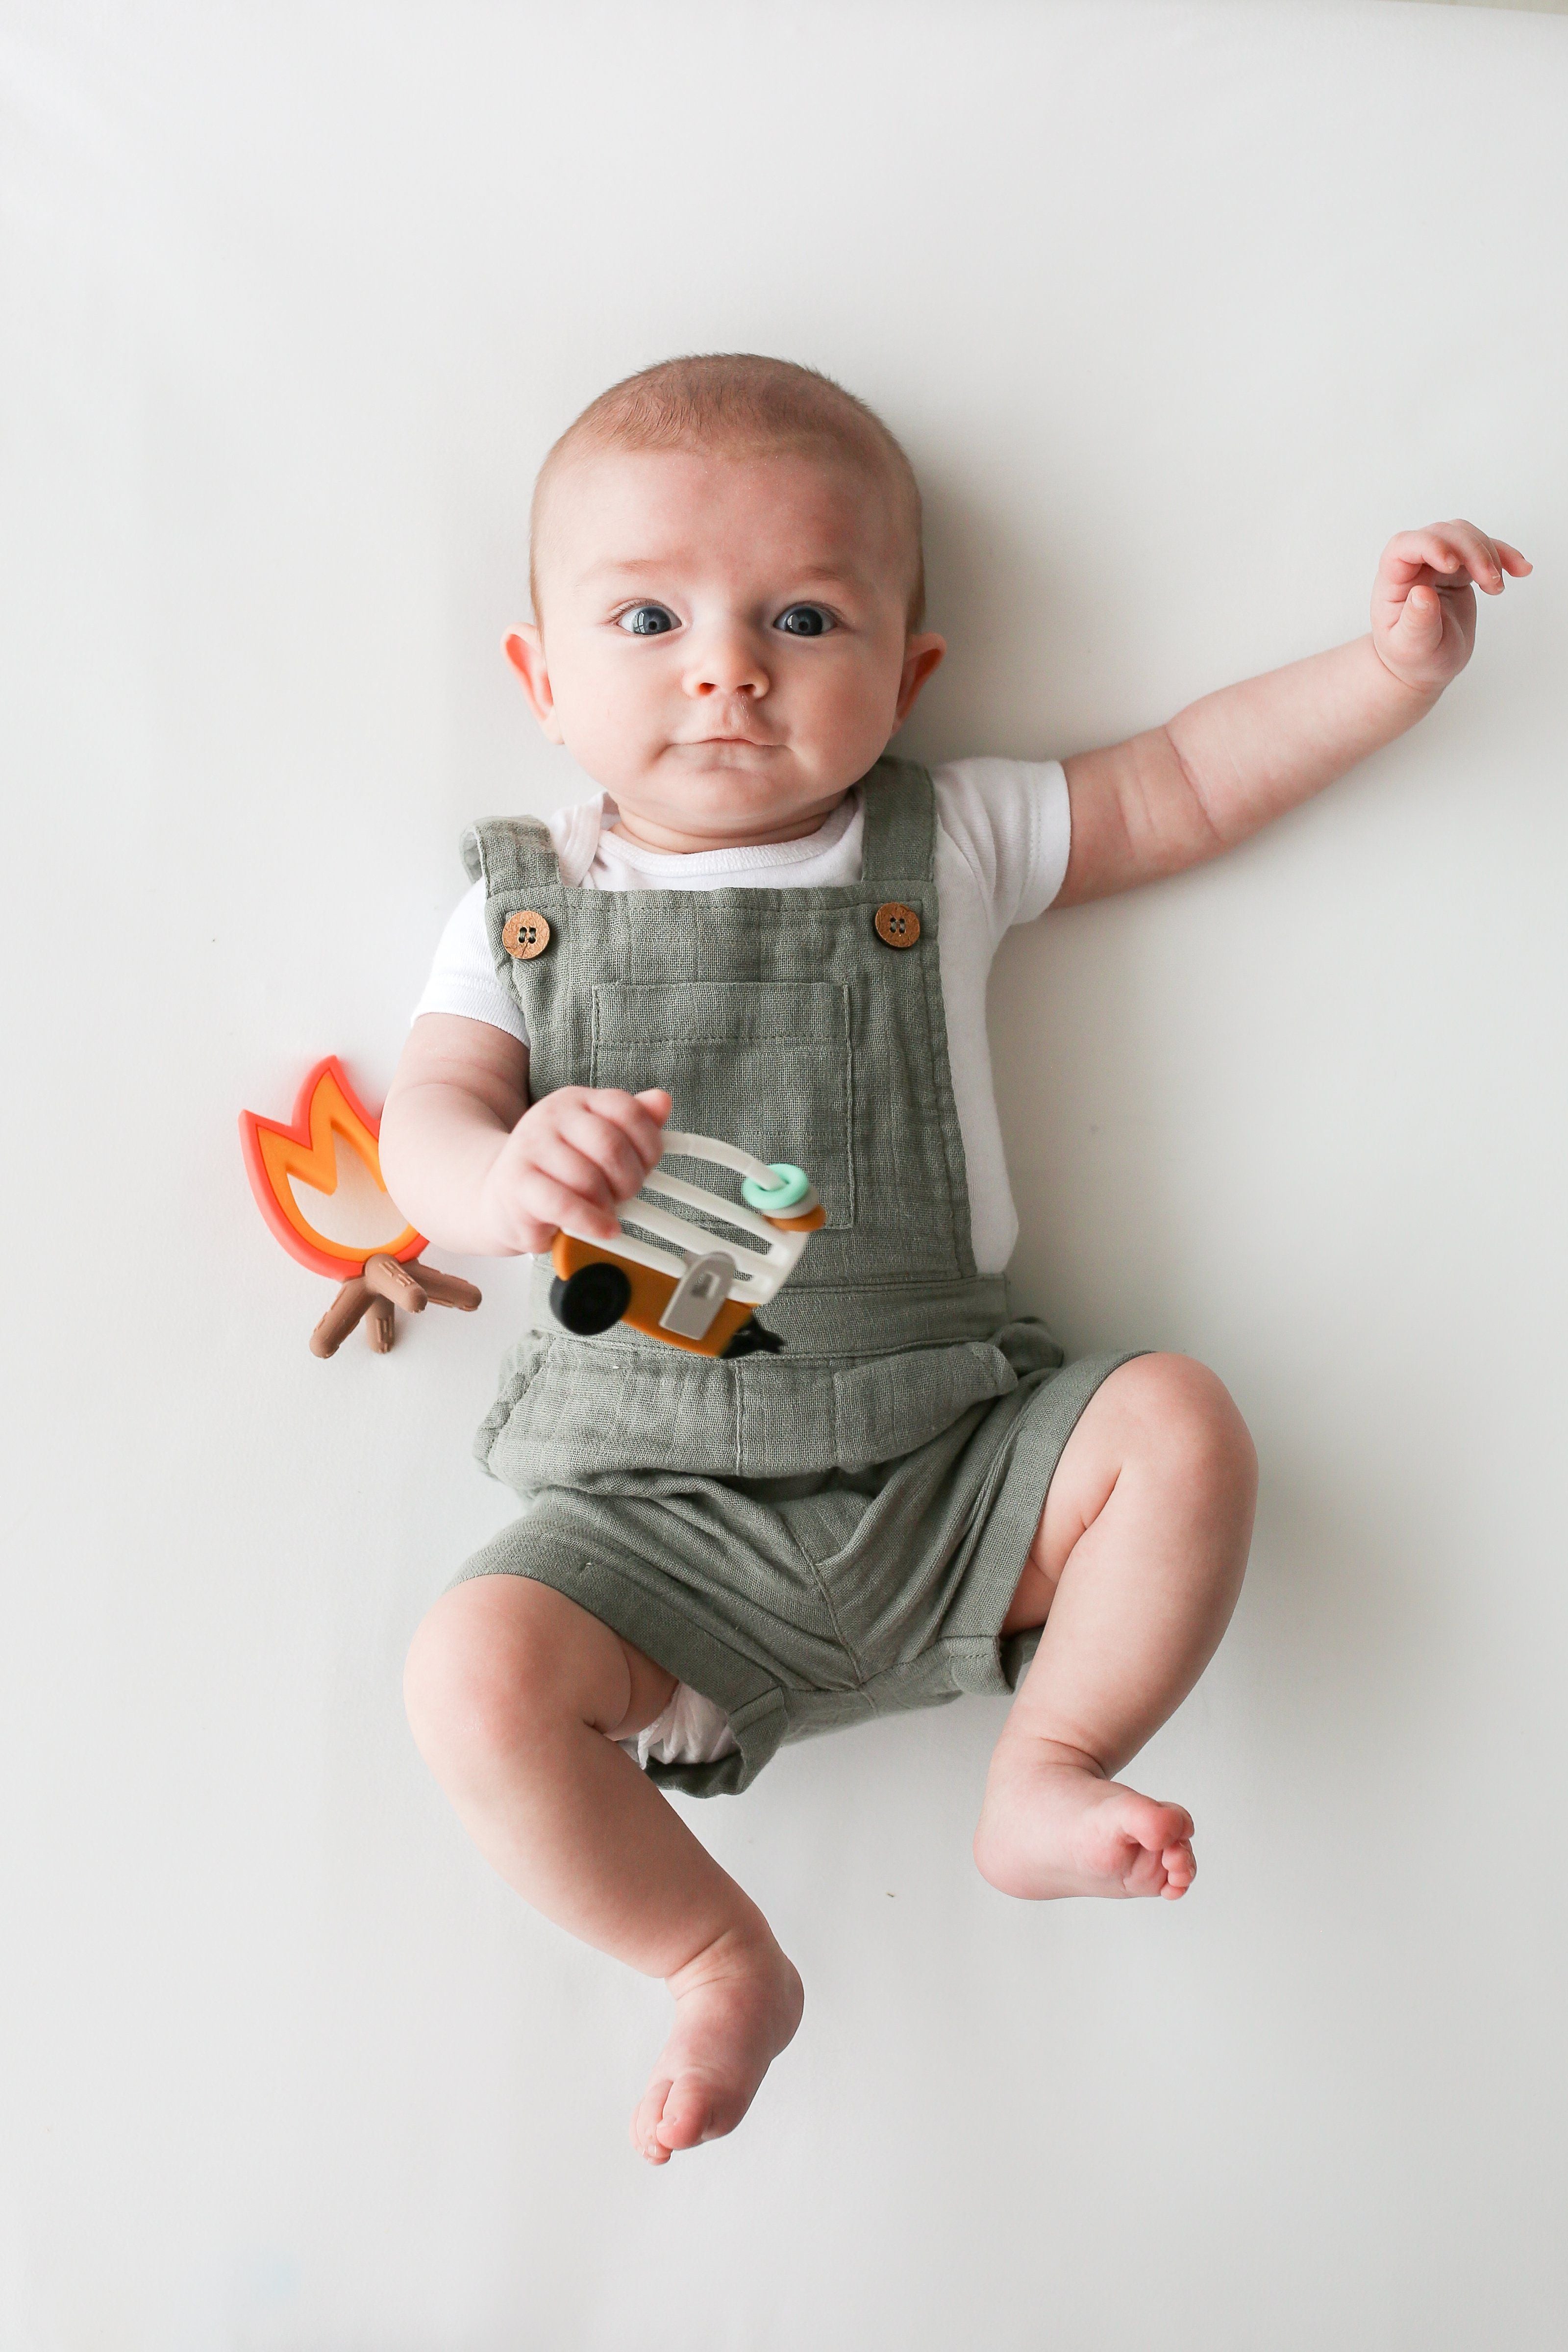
{"x": 373, "y": 1283}
{"x": 702, "y": 1294}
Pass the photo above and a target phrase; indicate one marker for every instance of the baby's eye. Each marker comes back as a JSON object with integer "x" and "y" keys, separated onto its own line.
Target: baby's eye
{"x": 804, "y": 621}
{"x": 647, "y": 621}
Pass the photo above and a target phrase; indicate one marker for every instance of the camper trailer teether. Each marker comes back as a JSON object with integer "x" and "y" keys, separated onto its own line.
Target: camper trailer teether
{"x": 702, "y": 1292}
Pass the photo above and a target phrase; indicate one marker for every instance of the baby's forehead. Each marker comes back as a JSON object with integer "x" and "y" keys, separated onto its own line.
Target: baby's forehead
{"x": 814, "y": 485}
{"x": 797, "y": 503}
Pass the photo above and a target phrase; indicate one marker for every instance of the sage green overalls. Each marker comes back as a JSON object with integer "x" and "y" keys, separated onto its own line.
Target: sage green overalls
{"x": 813, "y": 1537}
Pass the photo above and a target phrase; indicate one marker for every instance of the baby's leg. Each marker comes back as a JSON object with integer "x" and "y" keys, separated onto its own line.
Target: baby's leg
{"x": 1133, "y": 1573}
{"x": 516, "y": 1697}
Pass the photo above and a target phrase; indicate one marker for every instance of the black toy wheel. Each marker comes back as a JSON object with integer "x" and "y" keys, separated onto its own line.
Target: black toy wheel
{"x": 591, "y": 1300}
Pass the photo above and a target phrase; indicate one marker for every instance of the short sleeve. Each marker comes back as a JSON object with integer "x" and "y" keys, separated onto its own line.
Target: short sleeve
{"x": 464, "y": 979}
{"x": 1009, "y": 820}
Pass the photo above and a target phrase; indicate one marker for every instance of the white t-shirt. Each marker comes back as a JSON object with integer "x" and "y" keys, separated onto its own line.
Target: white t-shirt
{"x": 1003, "y": 839}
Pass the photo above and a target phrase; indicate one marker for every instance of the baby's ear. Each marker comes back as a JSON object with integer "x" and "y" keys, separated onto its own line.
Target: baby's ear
{"x": 525, "y": 650}
{"x": 921, "y": 655}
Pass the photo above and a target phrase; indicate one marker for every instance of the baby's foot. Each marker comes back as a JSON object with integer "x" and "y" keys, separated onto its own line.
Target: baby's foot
{"x": 736, "y": 2005}
{"x": 1051, "y": 1827}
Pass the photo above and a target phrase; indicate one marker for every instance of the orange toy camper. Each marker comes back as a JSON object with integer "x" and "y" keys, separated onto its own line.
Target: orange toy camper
{"x": 702, "y": 1292}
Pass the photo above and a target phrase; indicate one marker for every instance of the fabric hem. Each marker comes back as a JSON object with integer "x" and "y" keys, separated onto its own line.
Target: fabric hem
{"x": 977, "y": 1618}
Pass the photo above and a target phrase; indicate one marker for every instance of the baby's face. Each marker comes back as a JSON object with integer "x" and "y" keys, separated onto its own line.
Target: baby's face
{"x": 723, "y": 642}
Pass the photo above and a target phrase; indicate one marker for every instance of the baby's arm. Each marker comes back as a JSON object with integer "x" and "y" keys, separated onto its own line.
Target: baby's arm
{"x": 1226, "y": 766}
{"x": 477, "y": 1169}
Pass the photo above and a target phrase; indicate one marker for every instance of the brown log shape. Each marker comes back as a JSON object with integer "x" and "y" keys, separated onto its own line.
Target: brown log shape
{"x": 386, "y": 1283}
{"x": 447, "y": 1290}
{"x": 400, "y": 1286}
{"x": 341, "y": 1318}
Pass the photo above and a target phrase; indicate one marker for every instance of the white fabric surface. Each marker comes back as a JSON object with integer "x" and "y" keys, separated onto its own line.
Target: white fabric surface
{"x": 1003, "y": 834}
{"x": 689, "y": 1730}
{"x": 1181, "y": 307}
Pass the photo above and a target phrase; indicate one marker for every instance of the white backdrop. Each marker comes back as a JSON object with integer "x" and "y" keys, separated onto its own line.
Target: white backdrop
{"x": 1181, "y": 309}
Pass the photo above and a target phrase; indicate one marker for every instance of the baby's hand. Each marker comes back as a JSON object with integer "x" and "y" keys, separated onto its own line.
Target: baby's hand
{"x": 1423, "y": 604}
{"x": 568, "y": 1160}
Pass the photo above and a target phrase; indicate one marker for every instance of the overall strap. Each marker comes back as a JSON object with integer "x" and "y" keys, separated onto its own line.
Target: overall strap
{"x": 899, "y": 838}
{"x": 511, "y": 853}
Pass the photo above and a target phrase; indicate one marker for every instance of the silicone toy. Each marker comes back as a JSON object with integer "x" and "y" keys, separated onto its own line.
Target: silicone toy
{"x": 702, "y": 1294}
{"x": 371, "y": 1284}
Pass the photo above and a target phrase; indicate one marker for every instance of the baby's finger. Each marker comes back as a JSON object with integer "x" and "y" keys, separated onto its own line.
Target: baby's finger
{"x": 1409, "y": 553}
{"x": 1444, "y": 549}
{"x": 1518, "y": 566}
{"x": 542, "y": 1197}
{"x": 554, "y": 1157}
{"x": 607, "y": 1146}
{"x": 1476, "y": 553}
{"x": 1480, "y": 556}
{"x": 1420, "y": 620}
{"x": 637, "y": 1117}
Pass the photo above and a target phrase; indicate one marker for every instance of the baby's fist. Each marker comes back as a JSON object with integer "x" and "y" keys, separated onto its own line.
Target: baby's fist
{"x": 570, "y": 1161}
{"x": 1423, "y": 602}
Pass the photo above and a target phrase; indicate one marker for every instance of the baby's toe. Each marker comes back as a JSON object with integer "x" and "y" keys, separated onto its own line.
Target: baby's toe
{"x": 1158, "y": 1841}
{"x": 646, "y": 2121}
{"x": 1145, "y": 1873}
{"x": 687, "y": 2113}
{"x": 1149, "y": 1824}
{"x": 1180, "y": 1868}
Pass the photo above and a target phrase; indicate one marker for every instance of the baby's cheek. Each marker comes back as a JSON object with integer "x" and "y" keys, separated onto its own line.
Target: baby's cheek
{"x": 855, "y": 713}
{"x": 612, "y": 739}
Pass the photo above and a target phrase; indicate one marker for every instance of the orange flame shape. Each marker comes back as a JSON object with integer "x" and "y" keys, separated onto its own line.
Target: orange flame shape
{"x": 328, "y": 1107}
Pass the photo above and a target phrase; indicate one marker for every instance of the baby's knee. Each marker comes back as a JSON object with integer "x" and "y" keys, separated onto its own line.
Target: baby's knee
{"x": 486, "y": 1672}
{"x": 1191, "y": 1422}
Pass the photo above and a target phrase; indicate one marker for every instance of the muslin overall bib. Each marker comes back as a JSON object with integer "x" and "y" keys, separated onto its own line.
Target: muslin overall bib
{"x": 818, "y": 1537}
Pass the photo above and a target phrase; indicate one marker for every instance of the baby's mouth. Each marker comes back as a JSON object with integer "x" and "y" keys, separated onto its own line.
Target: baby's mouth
{"x": 752, "y": 742}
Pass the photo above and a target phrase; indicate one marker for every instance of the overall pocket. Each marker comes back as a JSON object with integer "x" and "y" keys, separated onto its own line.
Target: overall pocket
{"x": 763, "y": 1064}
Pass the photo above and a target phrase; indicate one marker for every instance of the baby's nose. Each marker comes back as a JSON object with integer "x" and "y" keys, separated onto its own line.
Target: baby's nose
{"x": 728, "y": 664}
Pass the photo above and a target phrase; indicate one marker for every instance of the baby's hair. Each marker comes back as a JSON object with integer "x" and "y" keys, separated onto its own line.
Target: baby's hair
{"x": 740, "y": 404}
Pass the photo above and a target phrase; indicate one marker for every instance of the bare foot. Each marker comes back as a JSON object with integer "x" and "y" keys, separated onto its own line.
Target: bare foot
{"x": 1052, "y": 1826}
{"x": 736, "y": 2005}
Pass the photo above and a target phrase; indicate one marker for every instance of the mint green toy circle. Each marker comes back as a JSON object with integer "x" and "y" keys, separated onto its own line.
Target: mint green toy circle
{"x": 788, "y": 1192}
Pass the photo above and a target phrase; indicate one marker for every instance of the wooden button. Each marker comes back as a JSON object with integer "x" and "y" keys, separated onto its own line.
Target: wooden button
{"x": 525, "y": 935}
{"x": 898, "y": 925}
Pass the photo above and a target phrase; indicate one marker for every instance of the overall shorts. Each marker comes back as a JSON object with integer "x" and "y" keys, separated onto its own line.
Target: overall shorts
{"x": 815, "y": 1538}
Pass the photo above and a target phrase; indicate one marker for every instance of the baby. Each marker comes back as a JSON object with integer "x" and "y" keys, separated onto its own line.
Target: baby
{"x": 763, "y": 928}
